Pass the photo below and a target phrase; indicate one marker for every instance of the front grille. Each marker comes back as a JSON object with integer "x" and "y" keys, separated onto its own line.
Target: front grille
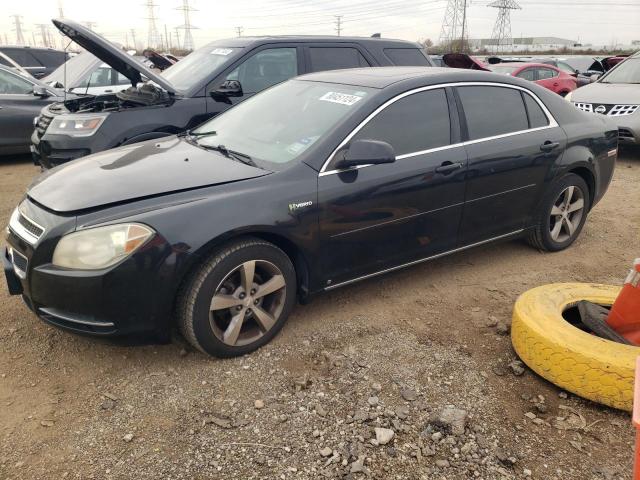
{"x": 607, "y": 109}
{"x": 29, "y": 226}
{"x": 43, "y": 124}
{"x": 19, "y": 262}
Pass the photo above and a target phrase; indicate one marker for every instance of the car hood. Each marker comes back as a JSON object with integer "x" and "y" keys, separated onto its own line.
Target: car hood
{"x": 608, "y": 93}
{"x": 147, "y": 169}
{"x": 110, "y": 54}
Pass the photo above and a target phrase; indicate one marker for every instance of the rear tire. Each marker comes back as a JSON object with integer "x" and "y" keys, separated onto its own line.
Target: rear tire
{"x": 238, "y": 300}
{"x": 562, "y": 214}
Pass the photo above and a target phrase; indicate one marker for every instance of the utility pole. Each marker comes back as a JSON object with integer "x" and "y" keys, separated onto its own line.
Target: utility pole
{"x": 17, "y": 27}
{"x": 240, "y": 30}
{"x": 187, "y": 27}
{"x": 153, "y": 39}
{"x": 454, "y": 30}
{"x": 133, "y": 39}
{"x": 44, "y": 34}
{"x": 502, "y": 30}
{"x": 167, "y": 38}
{"x": 338, "y": 24}
{"x": 177, "y": 29}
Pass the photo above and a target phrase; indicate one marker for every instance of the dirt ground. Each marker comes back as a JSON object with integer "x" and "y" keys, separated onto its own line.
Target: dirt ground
{"x": 389, "y": 353}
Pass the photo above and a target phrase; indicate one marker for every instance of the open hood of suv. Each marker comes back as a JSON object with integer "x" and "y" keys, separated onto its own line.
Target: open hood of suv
{"x": 462, "y": 60}
{"x": 110, "y": 54}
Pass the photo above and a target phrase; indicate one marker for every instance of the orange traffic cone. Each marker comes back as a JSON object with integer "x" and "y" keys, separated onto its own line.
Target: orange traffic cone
{"x": 624, "y": 316}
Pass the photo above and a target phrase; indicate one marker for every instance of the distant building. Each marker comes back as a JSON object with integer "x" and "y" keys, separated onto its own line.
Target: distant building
{"x": 530, "y": 44}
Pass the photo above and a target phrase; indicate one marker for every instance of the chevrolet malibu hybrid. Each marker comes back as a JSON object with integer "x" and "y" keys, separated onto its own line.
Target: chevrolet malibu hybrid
{"x": 313, "y": 184}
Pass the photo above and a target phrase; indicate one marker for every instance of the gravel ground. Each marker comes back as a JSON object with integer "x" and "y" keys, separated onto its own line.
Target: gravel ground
{"x": 406, "y": 376}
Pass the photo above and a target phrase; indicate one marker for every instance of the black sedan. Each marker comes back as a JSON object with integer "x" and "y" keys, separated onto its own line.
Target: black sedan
{"x": 313, "y": 184}
{"x": 21, "y": 99}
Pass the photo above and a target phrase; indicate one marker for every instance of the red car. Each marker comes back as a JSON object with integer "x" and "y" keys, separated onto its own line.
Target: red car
{"x": 545, "y": 75}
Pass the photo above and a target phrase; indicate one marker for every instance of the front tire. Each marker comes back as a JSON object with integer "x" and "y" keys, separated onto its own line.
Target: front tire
{"x": 239, "y": 299}
{"x": 562, "y": 214}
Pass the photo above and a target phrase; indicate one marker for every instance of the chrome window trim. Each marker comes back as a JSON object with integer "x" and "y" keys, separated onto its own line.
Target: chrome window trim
{"x": 552, "y": 123}
{"x": 426, "y": 259}
{"x": 20, "y": 231}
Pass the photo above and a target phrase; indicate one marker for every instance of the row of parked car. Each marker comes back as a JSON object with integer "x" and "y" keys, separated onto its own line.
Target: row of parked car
{"x": 105, "y": 97}
{"x": 319, "y": 181}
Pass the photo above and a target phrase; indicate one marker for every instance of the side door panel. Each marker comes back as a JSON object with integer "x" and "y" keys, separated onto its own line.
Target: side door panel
{"x": 385, "y": 215}
{"x": 16, "y": 118}
{"x": 505, "y": 180}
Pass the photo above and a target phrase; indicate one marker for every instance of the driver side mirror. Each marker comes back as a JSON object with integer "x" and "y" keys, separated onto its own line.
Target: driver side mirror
{"x": 229, "y": 88}
{"x": 595, "y": 77}
{"x": 40, "y": 91}
{"x": 367, "y": 152}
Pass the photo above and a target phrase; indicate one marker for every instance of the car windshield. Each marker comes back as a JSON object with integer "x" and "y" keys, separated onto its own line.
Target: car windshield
{"x": 504, "y": 69}
{"x": 198, "y": 66}
{"x": 626, "y": 72}
{"x": 281, "y": 123}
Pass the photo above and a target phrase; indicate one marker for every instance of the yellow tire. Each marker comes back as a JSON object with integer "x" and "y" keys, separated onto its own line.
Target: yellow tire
{"x": 581, "y": 363}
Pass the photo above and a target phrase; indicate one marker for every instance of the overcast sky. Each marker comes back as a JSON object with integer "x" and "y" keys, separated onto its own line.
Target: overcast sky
{"x": 601, "y": 22}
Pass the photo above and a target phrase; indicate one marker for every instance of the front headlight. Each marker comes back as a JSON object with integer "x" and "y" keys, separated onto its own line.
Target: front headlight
{"x": 568, "y": 96}
{"x": 82, "y": 125}
{"x": 100, "y": 247}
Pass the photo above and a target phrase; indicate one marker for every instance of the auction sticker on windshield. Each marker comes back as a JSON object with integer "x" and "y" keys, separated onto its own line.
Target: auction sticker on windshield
{"x": 221, "y": 51}
{"x": 341, "y": 98}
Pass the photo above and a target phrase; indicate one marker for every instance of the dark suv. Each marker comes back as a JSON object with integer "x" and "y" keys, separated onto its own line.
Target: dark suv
{"x": 198, "y": 87}
{"x": 39, "y": 62}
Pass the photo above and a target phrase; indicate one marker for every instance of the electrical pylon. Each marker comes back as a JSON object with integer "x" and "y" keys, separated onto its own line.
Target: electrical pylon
{"x": 454, "y": 31}
{"x": 187, "y": 27}
{"x": 501, "y": 35}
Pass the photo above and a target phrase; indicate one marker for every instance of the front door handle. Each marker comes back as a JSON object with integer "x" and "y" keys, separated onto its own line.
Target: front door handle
{"x": 448, "y": 167}
{"x": 548, "y": 146}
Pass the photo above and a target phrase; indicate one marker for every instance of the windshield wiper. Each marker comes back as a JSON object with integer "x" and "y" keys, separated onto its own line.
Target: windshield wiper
{"x": 198, "y": 134}
{"x": 241, "y": 157}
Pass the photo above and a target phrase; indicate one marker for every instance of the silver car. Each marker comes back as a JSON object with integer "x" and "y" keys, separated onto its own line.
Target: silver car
{"x": 616, "y": 94}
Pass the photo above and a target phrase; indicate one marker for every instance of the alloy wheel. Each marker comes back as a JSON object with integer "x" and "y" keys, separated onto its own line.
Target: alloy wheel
{"x": 566, "y": 214}
{"x": 248, "y": 302}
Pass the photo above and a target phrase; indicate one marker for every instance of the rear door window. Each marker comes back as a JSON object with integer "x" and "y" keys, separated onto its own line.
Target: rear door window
{"x": 412, "y": 124}
{"x": 406, "y": 57}
{"x": 546, "y": 73}
{"x": 491, "y": 111}
{"x": 527, "y": 74}
{"x": 335, "y": 58}
{"x": 50, "y": 58}
{"x": 537, "y": 117}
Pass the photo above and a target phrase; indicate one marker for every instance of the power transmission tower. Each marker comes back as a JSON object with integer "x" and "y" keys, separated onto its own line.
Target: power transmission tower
{"x": 177, "y": 29}
{"x": 187, "y": 27}
{"x": 17, "y": 27}
{"x": 153, "y": 39}
{"x": 60, "y": 11}
{"x": 502, "y": 30}
{"x": 167, "y": 38}
{"x": 240, "y": 30}
{"x": 133, "y": 39}
{"x": 454, "y": 32}
{"x": 44, "y": 34}
{"x": 338, "y": 24}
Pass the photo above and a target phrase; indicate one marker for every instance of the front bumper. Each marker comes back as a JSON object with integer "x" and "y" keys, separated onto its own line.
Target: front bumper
{"x": 126, "y": 299}
{"x": 53, "y": 150}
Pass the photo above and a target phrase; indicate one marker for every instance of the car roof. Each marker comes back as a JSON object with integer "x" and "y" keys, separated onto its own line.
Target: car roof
{"x": 382, "y": 77}
{"x": 252, "y": 41}
{"x": 29, "y": 47}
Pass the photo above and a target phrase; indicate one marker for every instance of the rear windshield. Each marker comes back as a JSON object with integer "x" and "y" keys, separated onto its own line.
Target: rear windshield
{"x": 406, "y": 57}
{"x": 199, "y": 66}
{"x": 257, "y": 127}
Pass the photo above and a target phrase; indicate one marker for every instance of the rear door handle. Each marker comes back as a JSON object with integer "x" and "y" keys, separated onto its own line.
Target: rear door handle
{"x": 448, "y": 167}
{"x": 548, "y": 146}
